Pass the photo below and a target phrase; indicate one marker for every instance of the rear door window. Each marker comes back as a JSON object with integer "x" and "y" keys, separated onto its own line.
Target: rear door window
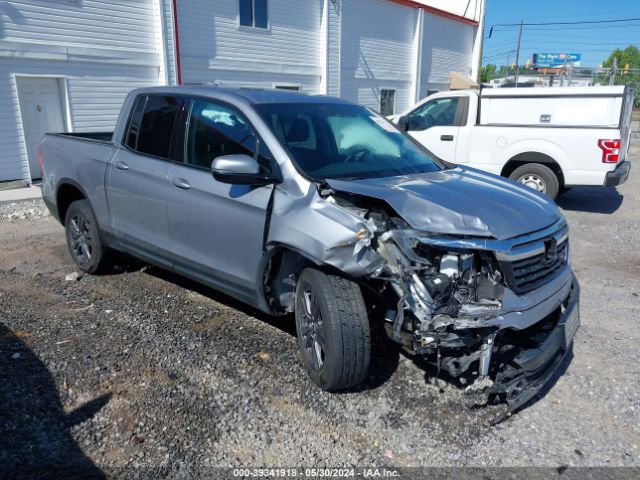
{"x": 156, "y": 125}
{"x": 134, "y": 122}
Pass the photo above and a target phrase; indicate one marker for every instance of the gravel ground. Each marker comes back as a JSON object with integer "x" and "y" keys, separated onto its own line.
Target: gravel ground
{"x": 144, "y": 368}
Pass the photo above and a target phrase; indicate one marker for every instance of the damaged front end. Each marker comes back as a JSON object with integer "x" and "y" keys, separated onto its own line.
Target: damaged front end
{"x": 497, "y": 316}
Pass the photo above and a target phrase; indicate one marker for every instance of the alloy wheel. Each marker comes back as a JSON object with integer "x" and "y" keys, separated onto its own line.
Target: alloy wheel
{"x": 81, "y": 240}
{"x": 312, "y": 329}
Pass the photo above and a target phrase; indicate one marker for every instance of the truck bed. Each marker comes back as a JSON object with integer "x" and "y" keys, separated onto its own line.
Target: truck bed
{"x": 103, "y": 137}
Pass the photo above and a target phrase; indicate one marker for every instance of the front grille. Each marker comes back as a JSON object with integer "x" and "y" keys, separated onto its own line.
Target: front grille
{"x": 527, "y": 274}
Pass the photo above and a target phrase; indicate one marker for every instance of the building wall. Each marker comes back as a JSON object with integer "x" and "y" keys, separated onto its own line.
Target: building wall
{"x": 334, "y": 42}
{"x": 216, "y": 49}
{"x": 100, "y": 48}
{"x": 169, "y": 37}
{"x": 351, "y": 49}
{"x": 447, "y": 45}
{"x": 104, "y": 48}
{"x": 376, "y": 51}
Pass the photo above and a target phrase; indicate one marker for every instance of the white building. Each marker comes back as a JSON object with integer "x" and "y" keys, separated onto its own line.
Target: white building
{"x": 66, "y": 65}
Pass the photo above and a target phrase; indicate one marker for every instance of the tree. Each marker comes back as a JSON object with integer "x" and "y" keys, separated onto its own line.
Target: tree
{"x": 487, "y": 72}
{"x": 629, "y": 56}
{"x": 628, "y": 68}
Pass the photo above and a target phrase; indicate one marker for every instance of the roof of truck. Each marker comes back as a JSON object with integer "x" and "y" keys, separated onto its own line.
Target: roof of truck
{"x": 251, "y": 95}
{"x": 606, "y": 91}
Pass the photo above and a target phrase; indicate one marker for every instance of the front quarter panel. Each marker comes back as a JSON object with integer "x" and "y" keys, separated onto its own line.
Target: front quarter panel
{"x": 321, "y": 231}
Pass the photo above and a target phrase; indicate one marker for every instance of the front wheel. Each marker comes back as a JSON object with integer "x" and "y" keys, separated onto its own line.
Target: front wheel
{"x": 538, "y": 177}
{"x": 333, "y": 329}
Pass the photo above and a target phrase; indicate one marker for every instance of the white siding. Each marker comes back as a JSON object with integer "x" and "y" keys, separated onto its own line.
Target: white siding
{"x": 334, "y": 26}
{"x": 377, "y": 38}
{"x": 167, "y": 20}
{"x": 102, "y": 48}
{"x": 215, "y": 49}
{"x": 447, "y": 46}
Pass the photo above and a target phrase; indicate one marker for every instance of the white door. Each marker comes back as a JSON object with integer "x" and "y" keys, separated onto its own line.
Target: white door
{"x": 41, "y": 112}
{"x": 435, "y": 125}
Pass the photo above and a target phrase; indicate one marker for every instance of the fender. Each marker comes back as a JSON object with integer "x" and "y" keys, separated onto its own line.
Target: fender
{"x": 106, "y": 235}
{"x": 61, "y": 183}
{"x": 539, "y": 146}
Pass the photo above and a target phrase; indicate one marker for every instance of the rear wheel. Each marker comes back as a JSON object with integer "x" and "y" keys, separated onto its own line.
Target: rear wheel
{"x": 538, "y": 177}
{"x": 83, "y": 238}
{"x": 333, "y": 329}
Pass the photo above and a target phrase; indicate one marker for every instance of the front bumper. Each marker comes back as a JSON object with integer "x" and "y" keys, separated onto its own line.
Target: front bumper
{"x": 533, "y": 367}
{"x": 619, "y": 175}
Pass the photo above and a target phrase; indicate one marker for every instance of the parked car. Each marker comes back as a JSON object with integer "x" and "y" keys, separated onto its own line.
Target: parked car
{"x": 549, "y": 139}
{"x": 308, "y": 205}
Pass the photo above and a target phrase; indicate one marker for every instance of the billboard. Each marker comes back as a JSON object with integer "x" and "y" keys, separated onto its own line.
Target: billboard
{"x": 555, "y": 60}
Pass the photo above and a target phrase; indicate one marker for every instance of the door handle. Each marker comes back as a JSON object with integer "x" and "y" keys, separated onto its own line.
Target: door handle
{"x": 446, "y": 138}
{"x": 121, "y": 165}
{"x": 181, "y": 183}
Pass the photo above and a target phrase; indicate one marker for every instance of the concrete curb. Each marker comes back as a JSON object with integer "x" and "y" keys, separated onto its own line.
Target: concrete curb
{"x": 18, "y": 194}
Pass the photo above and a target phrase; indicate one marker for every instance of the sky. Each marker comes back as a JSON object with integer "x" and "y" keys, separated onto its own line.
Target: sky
{"x": 594, "y": 41}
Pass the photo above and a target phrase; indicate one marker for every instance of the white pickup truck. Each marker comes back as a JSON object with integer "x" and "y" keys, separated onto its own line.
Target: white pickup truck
{"x": 549, "y": 139}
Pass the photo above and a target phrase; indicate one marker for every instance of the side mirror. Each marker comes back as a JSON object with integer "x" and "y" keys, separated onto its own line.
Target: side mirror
{"x": 403, "y": 123}
{"x": 240, "y": 169}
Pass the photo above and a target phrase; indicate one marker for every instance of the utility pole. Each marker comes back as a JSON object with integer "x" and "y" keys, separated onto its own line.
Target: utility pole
{"x": 612, "y": 78}
{"x": 518, "y": 52}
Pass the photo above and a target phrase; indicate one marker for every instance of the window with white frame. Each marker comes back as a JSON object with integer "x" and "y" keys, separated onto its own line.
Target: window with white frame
{"x": 253, "y": 13}
{"x": 387, "y": 101}
{"x": 287, "y": 86}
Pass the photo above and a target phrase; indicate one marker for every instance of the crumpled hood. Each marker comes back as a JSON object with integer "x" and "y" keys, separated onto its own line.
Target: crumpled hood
{"x": 459, "y": 201}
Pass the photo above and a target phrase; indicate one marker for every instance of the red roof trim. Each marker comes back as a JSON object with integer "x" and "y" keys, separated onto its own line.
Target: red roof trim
{"x": 437, "y": 11}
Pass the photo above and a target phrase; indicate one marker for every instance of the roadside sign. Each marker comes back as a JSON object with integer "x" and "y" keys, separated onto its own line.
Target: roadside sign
{"x": 556, "y": 60}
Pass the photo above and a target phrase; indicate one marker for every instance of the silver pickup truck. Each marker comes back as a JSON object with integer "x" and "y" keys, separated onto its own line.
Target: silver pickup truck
{"x": 319, "y": 207}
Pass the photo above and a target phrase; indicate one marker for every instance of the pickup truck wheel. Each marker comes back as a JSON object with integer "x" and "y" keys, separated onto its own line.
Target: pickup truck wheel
{"x": 83, "y": 238}
{"x": 333, "y": 329}
{"x": 538, "y": 177}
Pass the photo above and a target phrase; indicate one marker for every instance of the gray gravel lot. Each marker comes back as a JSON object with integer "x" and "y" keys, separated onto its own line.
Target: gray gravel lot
{"x": 144, "y": 368}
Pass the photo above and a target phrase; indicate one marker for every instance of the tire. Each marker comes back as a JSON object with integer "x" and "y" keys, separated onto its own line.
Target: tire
{"x": 83, "y": 239}
{"x": 333, "y": 330}
{"x": 538, "y": 177}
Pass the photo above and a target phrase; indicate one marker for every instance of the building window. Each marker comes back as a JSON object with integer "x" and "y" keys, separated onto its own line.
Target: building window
{"x": 253, "y": 13}
{"x": 387, "y": 101}
{"x": 294, "y": 88}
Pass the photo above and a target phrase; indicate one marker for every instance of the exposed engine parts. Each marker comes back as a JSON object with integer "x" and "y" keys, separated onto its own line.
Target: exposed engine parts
{"x": 434, "y": 287}
{"x": 450, "y": 297}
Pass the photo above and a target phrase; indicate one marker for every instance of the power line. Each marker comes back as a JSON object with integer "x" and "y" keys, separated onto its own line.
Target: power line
{"x": 580, "y": 22}
{"x": 543, "y": 24}
{"x": 567, "y": 42}
{"x": 592, "y": 13}
{"x": 578, "y": 27}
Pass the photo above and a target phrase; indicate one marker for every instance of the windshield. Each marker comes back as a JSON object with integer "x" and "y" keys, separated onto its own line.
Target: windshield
{"x": 344, "y": 141}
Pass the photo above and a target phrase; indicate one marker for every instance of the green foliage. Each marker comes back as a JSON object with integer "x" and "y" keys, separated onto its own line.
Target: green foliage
{"x": 629, "y": 58}
{"x": 487, "y": 72}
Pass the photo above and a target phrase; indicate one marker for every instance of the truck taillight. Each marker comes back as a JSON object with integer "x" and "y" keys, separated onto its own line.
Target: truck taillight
{"x": 40, "y": 159}
{"x": 610, "y": 150}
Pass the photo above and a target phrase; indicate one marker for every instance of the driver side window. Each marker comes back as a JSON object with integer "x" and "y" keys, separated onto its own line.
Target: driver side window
{"x": 437, "y": 112}
{"x": 215, "y": 130}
